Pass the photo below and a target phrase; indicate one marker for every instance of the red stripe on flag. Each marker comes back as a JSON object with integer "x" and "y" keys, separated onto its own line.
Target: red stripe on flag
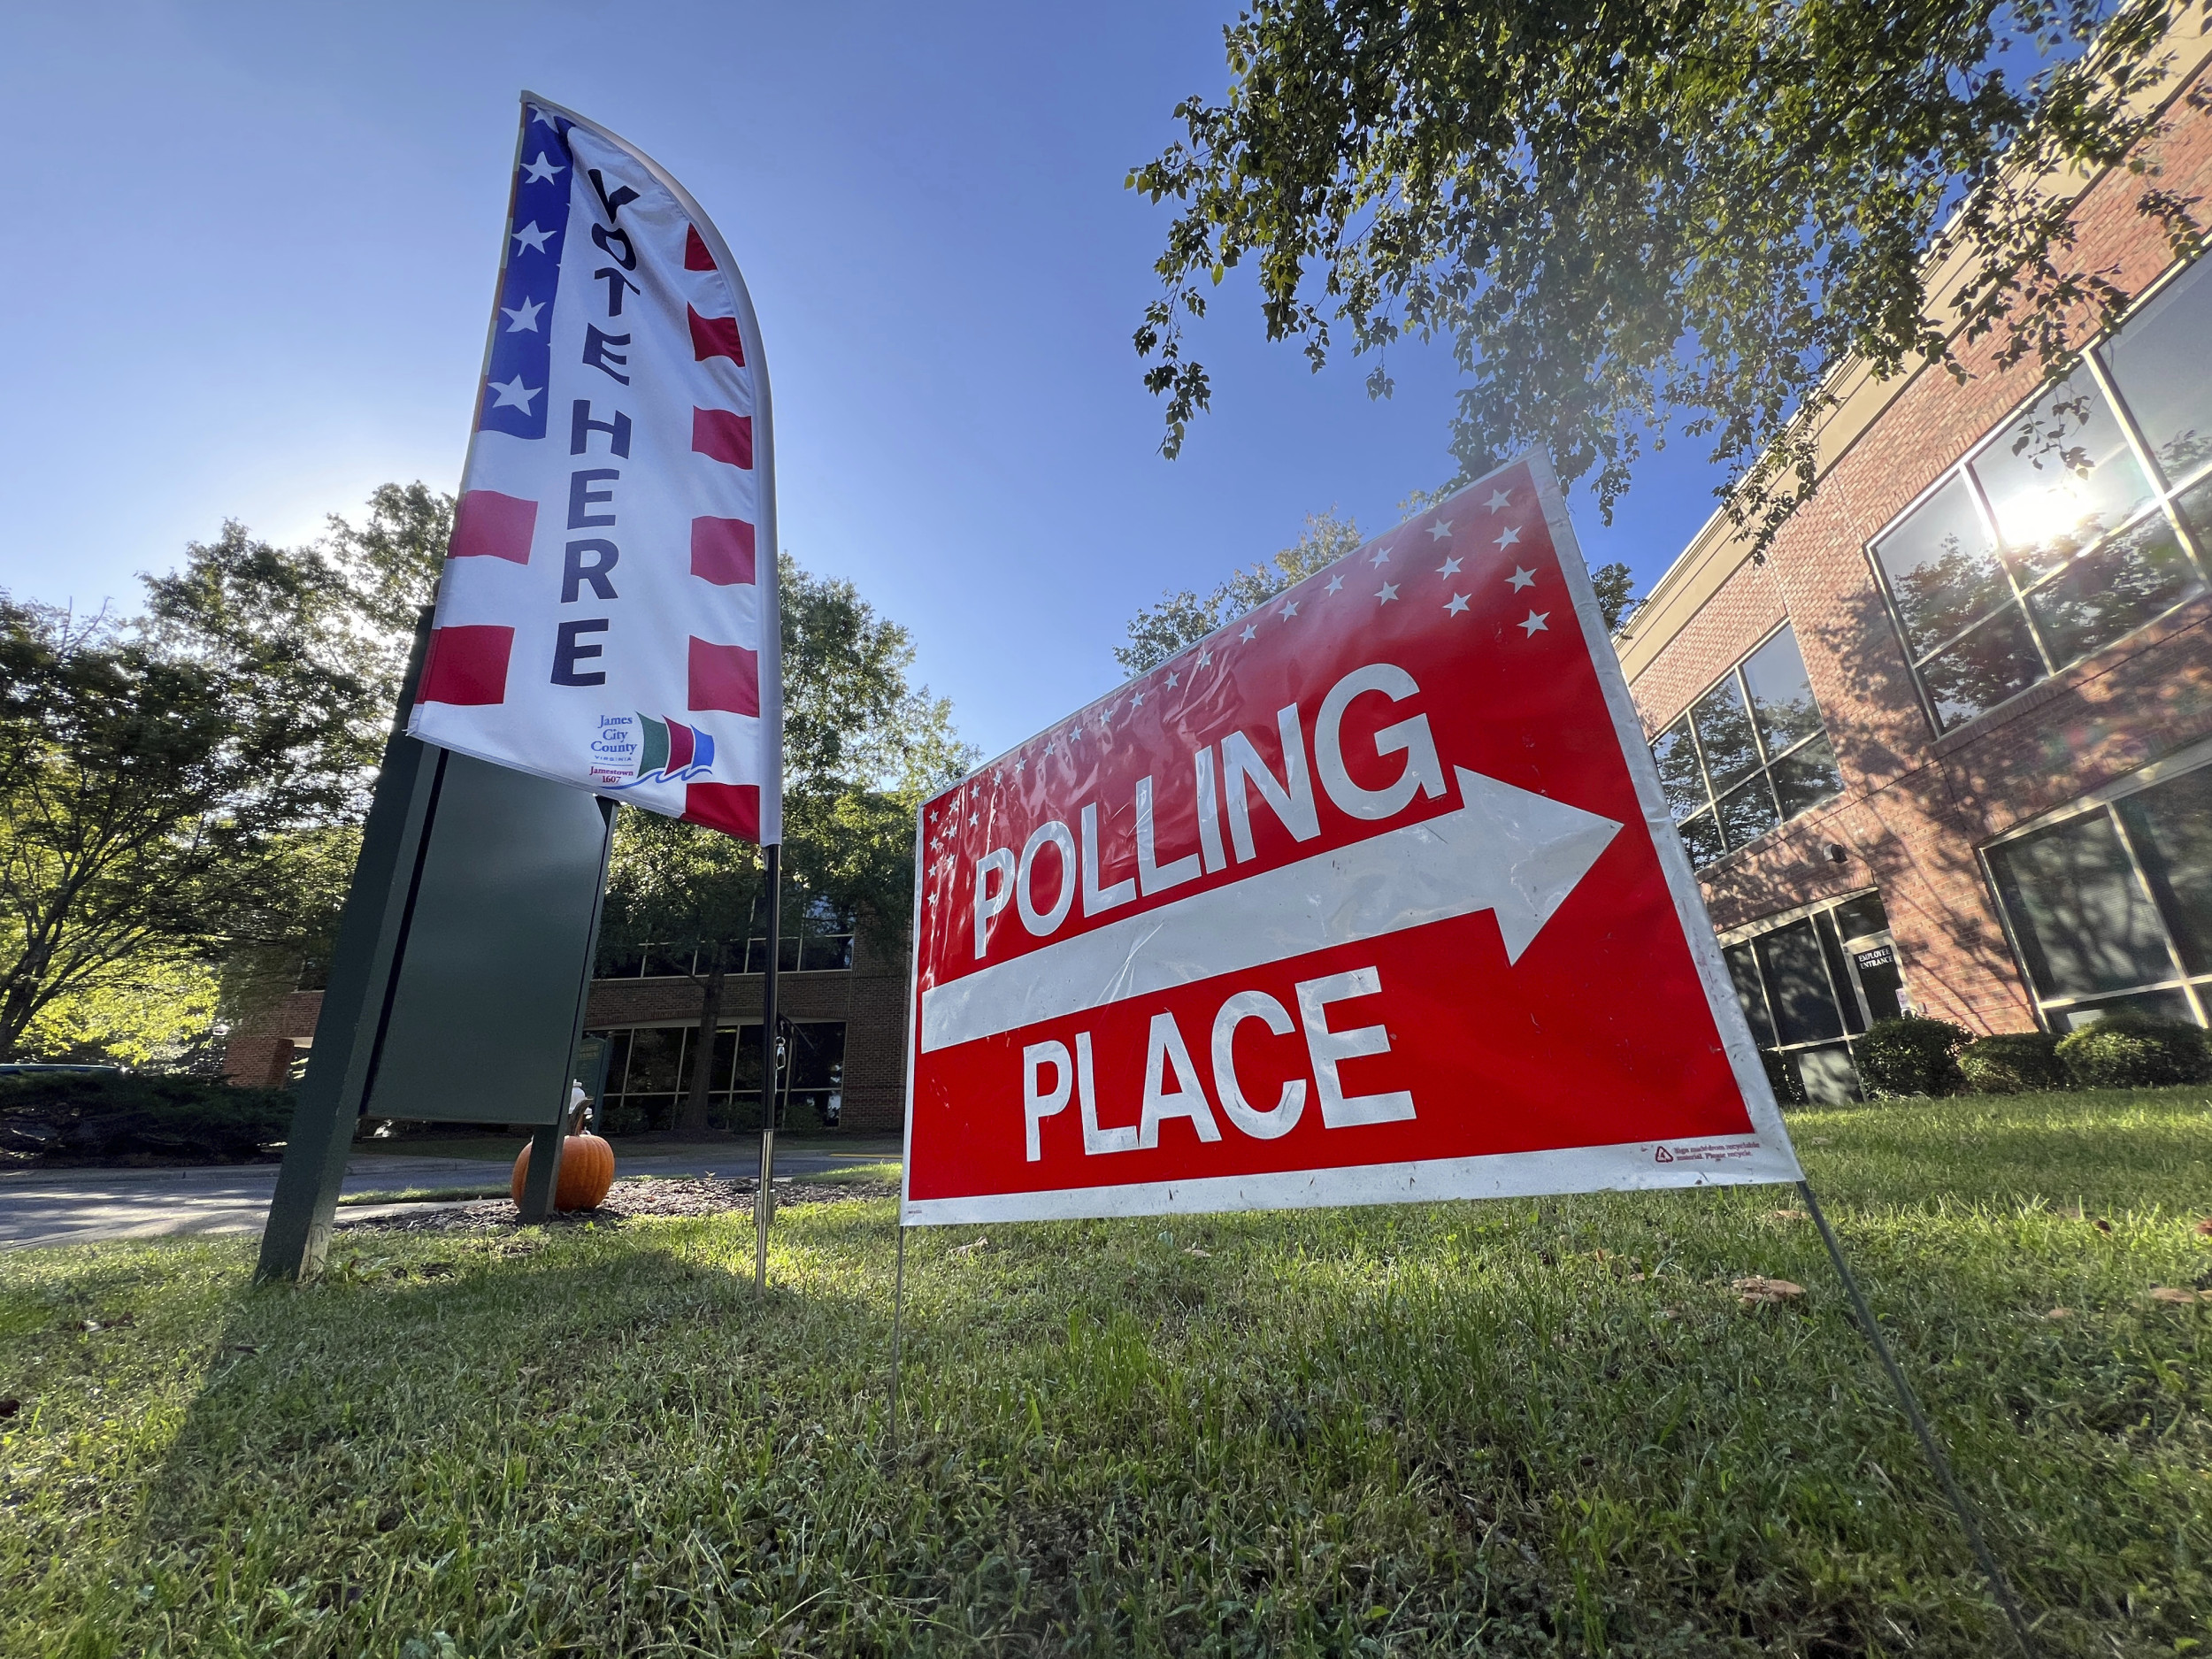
{"x": 725, "y": 676}
{"x": 722, "y": 550}
{"x": 681, "y": 746}
{"x": 467, "y": 665}
{"x": 695, "y": 254}
{"x": 724, "y": 435}
{"x": 488, "y": 525}
{"x": 732, "y": 808}
{"x": 715, "y": 337}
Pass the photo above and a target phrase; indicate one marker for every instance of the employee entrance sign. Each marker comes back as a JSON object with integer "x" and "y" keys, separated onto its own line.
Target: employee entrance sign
{"x": 1370, "y": 897}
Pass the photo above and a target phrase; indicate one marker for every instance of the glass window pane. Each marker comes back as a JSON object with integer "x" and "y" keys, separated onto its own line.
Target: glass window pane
{"x": 2172, "y": 1005}
{"x": 1981, "y": 671}
{"x": 827, "y": 951}
{"x": 2196, "y": 511}
{"x": 656, "y": 1058}
{"x": 1829, "y": 1076}
{"x": 2171, "y": 826}
{"x": 1781, "y": 695}
{"x": 1679, "y": 778}
{"x": 1700, "y": 840}
{"x": 618, "y": 1061}
{"x": 1747, "y": 812}
{"x": 2083, "y": 920}
{"x": 1743, "y": 971}
{"x": 1804, "y": 1008}
{"x": 2140, "y": 574}
{"x": 1839, "y": 975}
{"x": 2060, "y": 476}
{"x": 1942, "y": 567}
{"x": 1805, "y": 777}
{"x": 1855, "y": 918}
{"x": 820, "y": 1061}
{"x": 1724, "y": 731}
{"x": 2162, "y": 362}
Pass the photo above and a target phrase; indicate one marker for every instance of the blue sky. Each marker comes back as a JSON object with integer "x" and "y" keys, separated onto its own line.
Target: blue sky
{"x": 254, "y": 245}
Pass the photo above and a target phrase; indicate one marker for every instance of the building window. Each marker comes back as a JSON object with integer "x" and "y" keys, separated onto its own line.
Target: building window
{"x": 2109, "y": 903}
{"x": 650, "y": 1069}
{"x": 818, "y": 937}
{"x": 1811, "y": 981}
{"x": 1748, "y": 755}
{"x": 2082, "y": 518}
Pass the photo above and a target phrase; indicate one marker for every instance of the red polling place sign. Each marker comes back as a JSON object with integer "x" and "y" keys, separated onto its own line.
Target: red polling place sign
{"x": 1370, "y": 897}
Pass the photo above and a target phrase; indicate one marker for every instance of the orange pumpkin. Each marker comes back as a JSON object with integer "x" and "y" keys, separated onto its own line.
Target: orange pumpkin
{"x": 586, "y": 1172}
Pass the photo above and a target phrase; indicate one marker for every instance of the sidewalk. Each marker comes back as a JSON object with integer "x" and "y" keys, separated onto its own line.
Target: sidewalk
{"x": 44, "y": 1207}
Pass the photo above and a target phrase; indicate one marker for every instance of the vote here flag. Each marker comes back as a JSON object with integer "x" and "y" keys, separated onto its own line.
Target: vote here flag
{"x": 1371, "y": 896}
{"x": 607, "y": 614}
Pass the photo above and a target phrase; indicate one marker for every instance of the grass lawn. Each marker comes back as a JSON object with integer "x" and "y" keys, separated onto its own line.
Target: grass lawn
{"x": 1512, "y": 1428}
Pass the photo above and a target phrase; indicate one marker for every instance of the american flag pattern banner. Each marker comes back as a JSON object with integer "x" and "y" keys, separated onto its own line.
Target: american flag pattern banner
{"x": 607, "y": 614}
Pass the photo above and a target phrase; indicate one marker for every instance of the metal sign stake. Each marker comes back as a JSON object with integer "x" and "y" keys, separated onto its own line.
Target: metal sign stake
{"x": 765, "y": 1199}
{"x": 1964, "y": 1509}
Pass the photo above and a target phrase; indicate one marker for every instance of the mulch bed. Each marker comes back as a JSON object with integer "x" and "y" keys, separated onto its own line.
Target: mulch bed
{"x": 690, "y": 1195}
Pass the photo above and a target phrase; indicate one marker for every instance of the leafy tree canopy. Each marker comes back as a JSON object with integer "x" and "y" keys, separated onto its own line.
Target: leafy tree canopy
{"x": 1182, "y": 618}
{"x": 1639, "y": 219}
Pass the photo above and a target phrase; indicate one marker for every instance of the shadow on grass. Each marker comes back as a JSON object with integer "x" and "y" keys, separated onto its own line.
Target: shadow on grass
{"x": 1514, "y": 1427}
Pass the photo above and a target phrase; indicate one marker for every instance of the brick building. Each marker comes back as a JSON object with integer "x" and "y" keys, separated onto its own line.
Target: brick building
{"x": 843, "y": 989}
{"x": 1949, "y": 745}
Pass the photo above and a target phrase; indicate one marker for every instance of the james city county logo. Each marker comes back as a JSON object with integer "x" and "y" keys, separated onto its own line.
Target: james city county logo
{"x": 630, "y": 750}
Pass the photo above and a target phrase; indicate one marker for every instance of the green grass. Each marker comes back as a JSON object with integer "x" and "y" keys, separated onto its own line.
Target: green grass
{"x": 1510, "y": 1428}
{"x": 855, "y": 1174}
{"x": 423, "y": 1196}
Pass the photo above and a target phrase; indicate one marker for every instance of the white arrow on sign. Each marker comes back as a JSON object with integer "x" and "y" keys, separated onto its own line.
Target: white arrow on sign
{"x": 1506, "y": 849}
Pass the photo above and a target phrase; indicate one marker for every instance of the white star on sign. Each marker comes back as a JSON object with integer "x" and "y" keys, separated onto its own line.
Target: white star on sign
{"x": 1248, "y": 632}
{"x": 1378, "y": 557}
{"x": 1020, "y": 762}
{"x": 1520, "y": 579}
{"x": 1449, "y": 567}
{"x": 1388, "y": 591}
{"x": 1511, "y": 536}
{"x": 973, "y": 819}
{"x": 515, "y": 395}
{"x": 542, "y": 169}
{"x": 1336, "y": 584}
{"x": 1439, "y": 530}
{"x": 1052, "y": 748}
{"x": 1136, "y": 700}
{"x": 536, "y": 114}
{"x": 1206, "y": 658}
{"x": 531, "y": 236}
{"x": 1289, "y": 610}
{"x": 1174, "y": 679}
{"x": 1534, "y": 625}
{"x": 1499, "y": 498}
{"x": 523, "y": 316}
{"x": 1458, "y": 605}
{"x": 998, "y": 774}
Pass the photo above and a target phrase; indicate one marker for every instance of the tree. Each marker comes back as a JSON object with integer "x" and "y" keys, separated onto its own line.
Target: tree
{"x": 863, "y": 748}
{"x": 1634, "y": 218}
{"x": 136, "y": 784}
{"x": 191, "y": 783}
{"x": 1616, "y": 590}
{"x": 1182, "y": 618}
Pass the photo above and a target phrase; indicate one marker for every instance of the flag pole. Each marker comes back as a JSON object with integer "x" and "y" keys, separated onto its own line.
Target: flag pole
{"x": 765, "y": 1198}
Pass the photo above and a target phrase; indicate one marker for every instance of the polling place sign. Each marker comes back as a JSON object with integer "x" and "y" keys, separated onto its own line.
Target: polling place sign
{"x": 1370, "y": 897}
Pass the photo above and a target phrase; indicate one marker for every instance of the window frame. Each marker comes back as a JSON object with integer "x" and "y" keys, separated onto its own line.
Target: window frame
{"x": 1763, "y": 771}
{"x": 2161, "y": 504}
{"x": 2195, "y": 989}
{"x": 1842, "y": 996}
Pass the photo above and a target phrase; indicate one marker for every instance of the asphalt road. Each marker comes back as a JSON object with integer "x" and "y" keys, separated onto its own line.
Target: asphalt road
{"x": 81, "y": 1205}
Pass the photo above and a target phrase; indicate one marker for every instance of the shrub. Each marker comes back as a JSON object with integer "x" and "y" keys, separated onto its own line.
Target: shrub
{"x": 2014, "y": 1063}
{"x": 1912, "y": 1055}
{"x": 1789, "y": 1088}
{"x": 2130, "y": 1050}
{"x": 89, "y": 1117}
